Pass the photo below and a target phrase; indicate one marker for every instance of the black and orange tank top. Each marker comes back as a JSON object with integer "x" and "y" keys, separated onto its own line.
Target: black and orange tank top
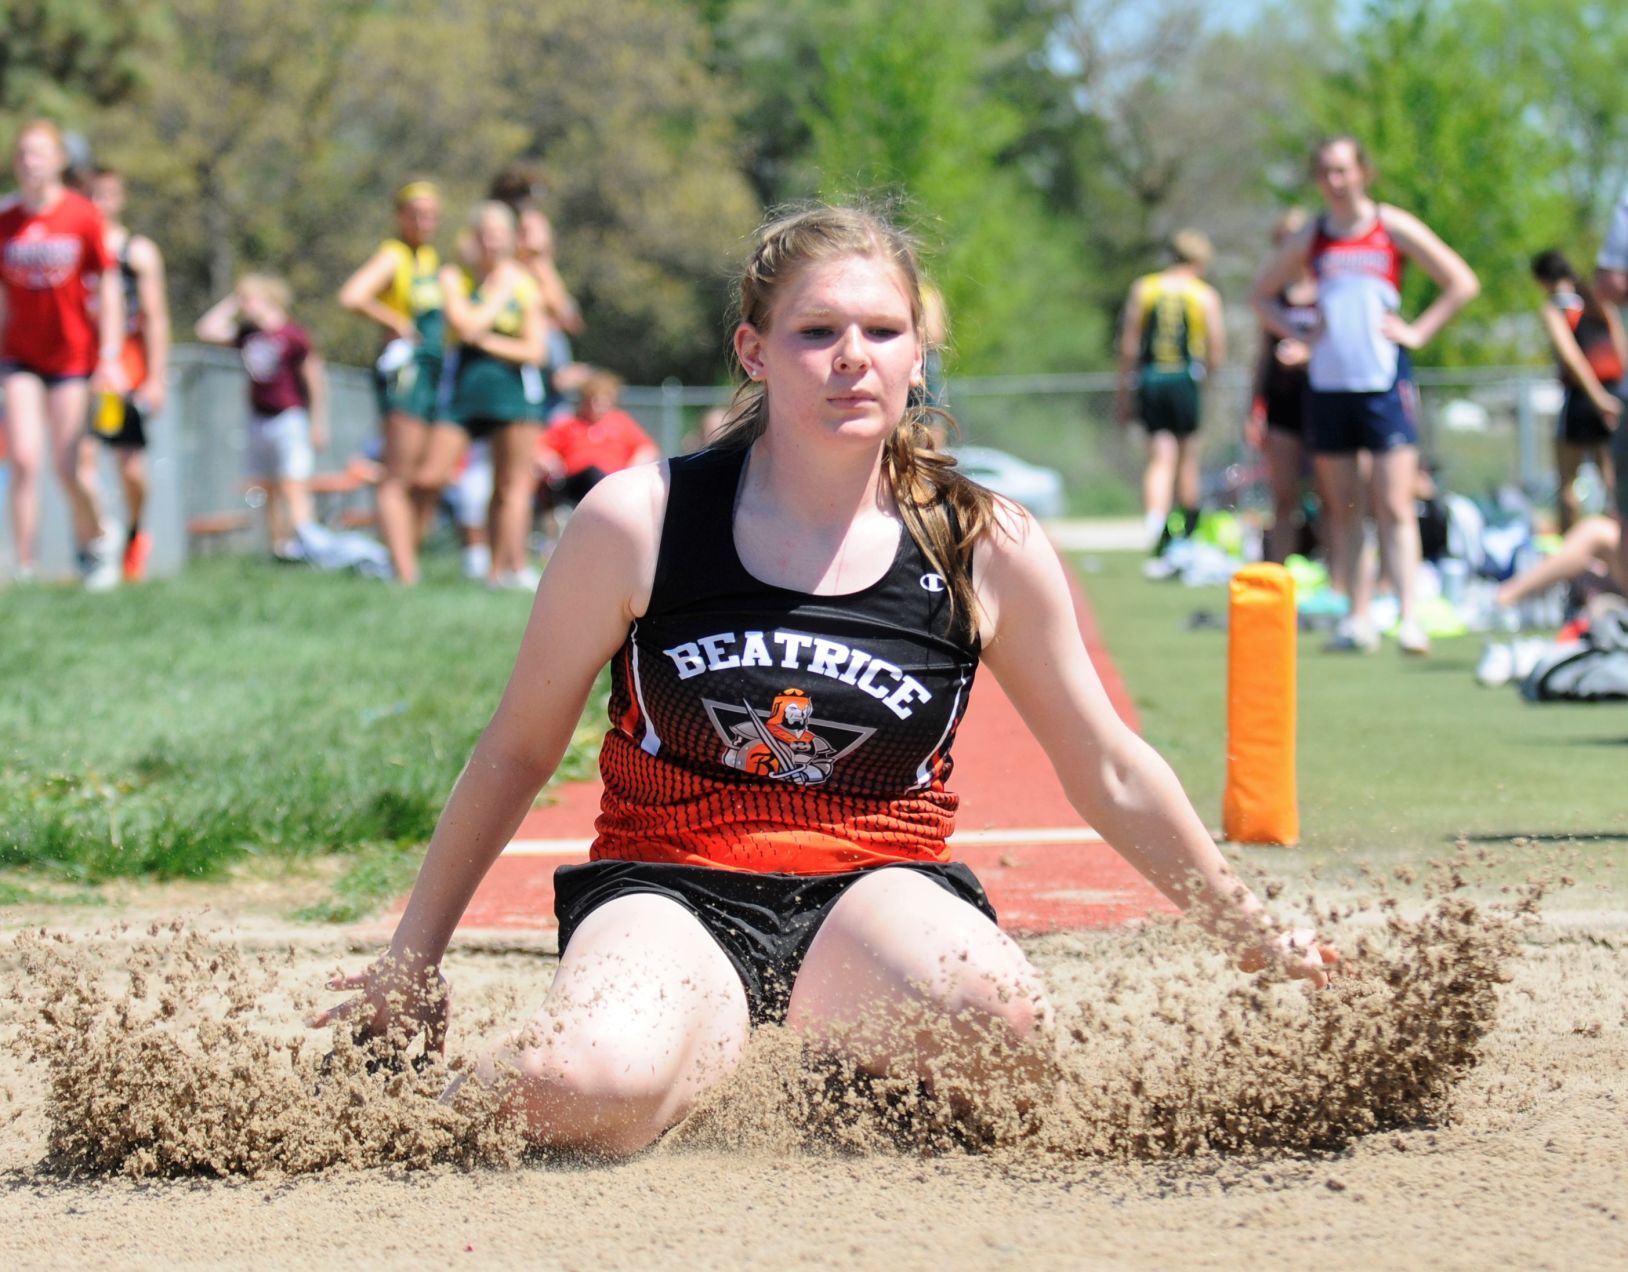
{"x": 758, "y": 728}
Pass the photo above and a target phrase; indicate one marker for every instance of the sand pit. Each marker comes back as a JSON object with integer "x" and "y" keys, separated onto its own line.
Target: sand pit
{"x": 1457, "y": 1102}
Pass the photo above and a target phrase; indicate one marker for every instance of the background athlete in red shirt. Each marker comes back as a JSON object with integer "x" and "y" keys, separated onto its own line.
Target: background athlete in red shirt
{"x": 52, "y": 352}
{"x": 579, "y": 451}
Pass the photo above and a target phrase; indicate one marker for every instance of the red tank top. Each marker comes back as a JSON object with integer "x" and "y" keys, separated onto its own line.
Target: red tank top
{"x": 45, "y": 258}
{"x": 758, "y": 728}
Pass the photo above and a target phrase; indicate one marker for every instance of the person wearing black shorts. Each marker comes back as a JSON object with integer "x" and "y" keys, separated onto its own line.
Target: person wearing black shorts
{"x": 1590, "y": 352}
{"x": 145, "y": 360}
{"x": 1277, "y": 409}
{"x": 793, "y": 622}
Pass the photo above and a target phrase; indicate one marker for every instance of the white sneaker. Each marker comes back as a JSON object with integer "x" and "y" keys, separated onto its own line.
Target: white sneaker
{"x": 1353, "y": 637}
{"x": 102, "y": 563}
{"x": 524, "y": 579}
{"x": 1525, "y": 655}
{"x": 1411, "y": 638}
{"x": 477, "y": 561}
{"x": 1497, "y": 665}
{"x": 1158, "y": 568}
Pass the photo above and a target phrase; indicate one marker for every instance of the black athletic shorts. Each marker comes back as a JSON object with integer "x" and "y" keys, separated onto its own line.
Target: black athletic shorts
{"x": 764, "y": 923}
{"x": 1580, "y": 422}
{"x": 132, "y": 431}
{"x": 570, "y": 490}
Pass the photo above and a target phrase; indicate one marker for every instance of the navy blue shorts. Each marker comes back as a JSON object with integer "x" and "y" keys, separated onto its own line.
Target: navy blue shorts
{"x": 13, "y": 366}
{"x": 1340, "y": 423}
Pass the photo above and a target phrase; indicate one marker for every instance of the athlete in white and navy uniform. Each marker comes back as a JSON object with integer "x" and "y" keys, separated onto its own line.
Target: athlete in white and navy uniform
{"x": 1611, "y": 285}
{"x": 1611, "y": 266}
{"x": 1359, "y": 398}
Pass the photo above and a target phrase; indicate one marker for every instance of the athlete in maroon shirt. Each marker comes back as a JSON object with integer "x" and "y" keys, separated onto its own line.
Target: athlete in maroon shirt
{"x": 288, "y": 408}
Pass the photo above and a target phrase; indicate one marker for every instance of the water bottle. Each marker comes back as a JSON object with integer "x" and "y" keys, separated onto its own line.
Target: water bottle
{"x": 109, "y": 413}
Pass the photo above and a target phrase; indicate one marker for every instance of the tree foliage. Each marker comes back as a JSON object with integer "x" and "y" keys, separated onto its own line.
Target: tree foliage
{"x": 58, "y": 57}
{"x": 1044, "y": 148}
{"x": 270, "y": 134}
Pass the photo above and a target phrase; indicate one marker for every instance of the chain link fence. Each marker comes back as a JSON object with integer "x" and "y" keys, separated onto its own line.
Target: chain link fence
{"x": 1484, "y": 428}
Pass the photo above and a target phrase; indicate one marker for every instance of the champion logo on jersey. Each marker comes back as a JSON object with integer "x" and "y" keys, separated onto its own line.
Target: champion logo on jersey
{"x": 931, "y": 582}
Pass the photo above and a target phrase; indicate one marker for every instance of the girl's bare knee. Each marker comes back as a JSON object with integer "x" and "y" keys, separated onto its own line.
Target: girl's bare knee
{"x": 598, "y": 1091}
{"x": 1011, "y": 1002}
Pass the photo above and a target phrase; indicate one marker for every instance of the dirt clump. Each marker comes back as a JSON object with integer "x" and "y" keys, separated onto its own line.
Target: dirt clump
{"x": 189, "y": 1056}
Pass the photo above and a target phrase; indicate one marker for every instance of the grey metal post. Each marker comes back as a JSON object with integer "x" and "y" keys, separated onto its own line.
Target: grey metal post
{"x": 1526, "y": 428}
{"x": 672, "y": 414}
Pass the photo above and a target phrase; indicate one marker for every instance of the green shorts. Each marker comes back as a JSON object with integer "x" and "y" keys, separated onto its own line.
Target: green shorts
{"x": 410, "y": 391}
{"x": 488, "y": 391}
{"x": 1168, "y": 402}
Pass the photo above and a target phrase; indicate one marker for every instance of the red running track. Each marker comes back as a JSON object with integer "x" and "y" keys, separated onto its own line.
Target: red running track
{"x": 1043, "y": 869}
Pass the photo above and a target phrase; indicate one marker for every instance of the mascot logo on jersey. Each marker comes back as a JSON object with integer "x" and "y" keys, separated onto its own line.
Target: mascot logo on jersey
{"x": 782, "y": 743}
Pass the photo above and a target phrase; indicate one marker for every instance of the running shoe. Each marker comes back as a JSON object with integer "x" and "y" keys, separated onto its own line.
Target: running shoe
{"x": 136, "y": 551}
{"x": 1411, "y": 638}
{"x": 100, "y": 563}
{"x": 1526, "y": 654}
{"x": 525, "y": 579}
{"x": 477, "y": 561}
{"x": 1158, "y": 568}
{"x": 1352, "y": 637}
{"x": 1497, "y": 665}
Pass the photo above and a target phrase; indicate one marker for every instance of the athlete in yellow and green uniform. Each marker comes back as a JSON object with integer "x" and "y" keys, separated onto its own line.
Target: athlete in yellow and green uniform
{"x": 489, "y": 390}
{"x": 399, "y": 288}
{"x": 414, "y": 293}
{"x": 1171, "y": 338}
{"x": 495, "y": 380}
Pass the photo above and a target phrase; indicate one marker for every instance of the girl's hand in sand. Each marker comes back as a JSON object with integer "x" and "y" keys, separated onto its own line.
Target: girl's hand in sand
{"x": 1297, "y": 951}
{"x": 400, "y": 998}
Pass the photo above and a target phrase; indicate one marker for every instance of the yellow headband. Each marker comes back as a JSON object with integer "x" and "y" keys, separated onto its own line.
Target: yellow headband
{"x": 417, "y": 190}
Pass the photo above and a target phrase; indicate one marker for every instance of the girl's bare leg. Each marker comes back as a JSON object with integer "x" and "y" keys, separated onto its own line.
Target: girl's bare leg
{"x": 66, "y": 407}
{"x": 513, "y": 486}
{"x": 898, "y": 948}
{"x": 404, "y": 443}
{"x": 645, "y": 1014}
{"x": 25, "y": 446}
{"x": 1283, "y": 466}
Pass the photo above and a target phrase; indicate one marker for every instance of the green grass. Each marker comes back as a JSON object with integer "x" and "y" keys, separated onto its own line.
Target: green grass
{"x": 170, "y": 730}
{"x": 1397, "y": 758}
{"x": 246, "y": 715}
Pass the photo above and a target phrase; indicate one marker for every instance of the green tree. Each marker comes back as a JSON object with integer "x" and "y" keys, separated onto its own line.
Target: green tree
{"x": 618, "y": 100}
{"x": 61, "y": 57}
{"x": 1569, "y": 56}
{"x": 1448, "y": 121}
{"x": 235, "y": 147}
{"x": 869, "y": 99}
{"x": 271, "y": 133}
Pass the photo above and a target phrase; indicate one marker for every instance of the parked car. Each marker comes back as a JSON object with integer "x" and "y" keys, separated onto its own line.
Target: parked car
{"x": 1038, "y": 489}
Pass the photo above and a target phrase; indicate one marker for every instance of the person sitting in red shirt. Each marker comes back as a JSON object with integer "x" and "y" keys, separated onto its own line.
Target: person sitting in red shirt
{"x": 574, "y": 454}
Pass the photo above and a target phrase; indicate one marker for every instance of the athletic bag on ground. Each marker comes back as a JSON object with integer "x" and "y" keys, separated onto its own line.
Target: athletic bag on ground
{"x": 1593, "y": 669}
